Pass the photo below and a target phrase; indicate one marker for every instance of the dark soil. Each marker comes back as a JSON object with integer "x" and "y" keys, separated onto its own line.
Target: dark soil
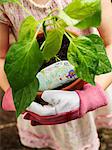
{"x": 62, "y": 54}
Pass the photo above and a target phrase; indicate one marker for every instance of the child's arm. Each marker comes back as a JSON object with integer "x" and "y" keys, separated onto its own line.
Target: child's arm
{"x": 105, "y": 31}
{"x": 105, "y": 28}
{"x": 4, "y": 39}
{"x": 4, "y": 45}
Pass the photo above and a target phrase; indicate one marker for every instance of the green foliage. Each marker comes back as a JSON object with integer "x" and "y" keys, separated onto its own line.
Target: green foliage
{"x": 104, "y": 65}
{"x": 23, "y": 60}
{"x": 8, "y": 1}
{"x": 53, "y": 43}
{"x": 67, "y": 19}
{"x": 93, "y": 20}
{"x": 25, "y": 96}
{"x": 27, "y": 29}
{"x": 86, "y": 53}
{"x": 83, "y": 55}
{"x": 88, "y": 13}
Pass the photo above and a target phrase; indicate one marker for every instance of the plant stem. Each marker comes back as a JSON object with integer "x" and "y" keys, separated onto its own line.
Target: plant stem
{"x": 67, "y": 35}
{"x": 70, "y": 39}
{"x": 56, "y": 9}
{"x": 42, "y": 45}
{"x": 57, "y": 58}
{"x": 38, "y": 29}
{"x": 39, "y": 26}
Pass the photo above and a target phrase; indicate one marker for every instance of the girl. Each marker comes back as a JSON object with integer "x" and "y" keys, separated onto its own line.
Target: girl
{"x": 79, "y": 134}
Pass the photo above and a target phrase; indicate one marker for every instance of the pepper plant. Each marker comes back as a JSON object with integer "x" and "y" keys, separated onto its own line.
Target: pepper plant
{"x": 25, "y": 57}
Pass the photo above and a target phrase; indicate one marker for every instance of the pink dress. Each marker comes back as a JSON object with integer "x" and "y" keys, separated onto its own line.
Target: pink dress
{"x": 80, "y": 134}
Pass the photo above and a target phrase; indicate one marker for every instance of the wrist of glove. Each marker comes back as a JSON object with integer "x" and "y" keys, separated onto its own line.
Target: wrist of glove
{"x": 91, "y": 98}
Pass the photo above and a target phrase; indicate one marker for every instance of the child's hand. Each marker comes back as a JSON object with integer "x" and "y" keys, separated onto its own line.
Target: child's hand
{"x": 4, "y": 84}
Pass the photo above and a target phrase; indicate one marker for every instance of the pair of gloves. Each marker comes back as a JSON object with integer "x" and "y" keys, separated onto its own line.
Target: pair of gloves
{"x": 63, "y": 106}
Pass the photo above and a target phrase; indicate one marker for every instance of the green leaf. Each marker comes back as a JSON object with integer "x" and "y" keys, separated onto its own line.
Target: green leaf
{"x": 83, "y": 55}
{"x": 53, "y": 43}
{"x": 27, "y": 29}
{"x": 8, "y": 1}
{"x": 24, "y": 96}
{"x": 23, "y": 60}
{"x": 84, "y": 11}
{"x": 68, "y": 20}
{"x": 104, "y": 65}
{"x": 90, "y": 21}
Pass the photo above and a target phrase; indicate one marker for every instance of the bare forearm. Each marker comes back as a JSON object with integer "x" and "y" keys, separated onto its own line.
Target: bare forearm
{"x": 105, "y": 29}
{"x": 4, "y": 45}
{"x": 4, "y": 84}
{"x": 4, "y": 40}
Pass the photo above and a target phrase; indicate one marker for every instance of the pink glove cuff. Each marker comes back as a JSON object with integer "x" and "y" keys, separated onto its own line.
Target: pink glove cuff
{"x": 7, "y": 102}
{"x": 91, "y": 98}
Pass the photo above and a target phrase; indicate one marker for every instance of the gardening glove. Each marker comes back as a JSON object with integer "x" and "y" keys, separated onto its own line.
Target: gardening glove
{"x": 7, "y": 102}
{"x": 58, "y": 102}
{"x": 91, "y": 98}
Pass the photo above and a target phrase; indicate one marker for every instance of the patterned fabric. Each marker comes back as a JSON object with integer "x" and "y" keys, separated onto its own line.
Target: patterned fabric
{"x": 80, "y": 134}
{"x": 13, "y": 14}
{"x": 56, "y": 75}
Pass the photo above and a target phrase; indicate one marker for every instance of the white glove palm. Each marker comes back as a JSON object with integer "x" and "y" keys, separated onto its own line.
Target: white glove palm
{"x": 58, "y": 102}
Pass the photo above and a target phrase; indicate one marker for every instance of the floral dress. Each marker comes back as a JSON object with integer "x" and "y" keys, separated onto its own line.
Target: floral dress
{"x": 80, "y": 134}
